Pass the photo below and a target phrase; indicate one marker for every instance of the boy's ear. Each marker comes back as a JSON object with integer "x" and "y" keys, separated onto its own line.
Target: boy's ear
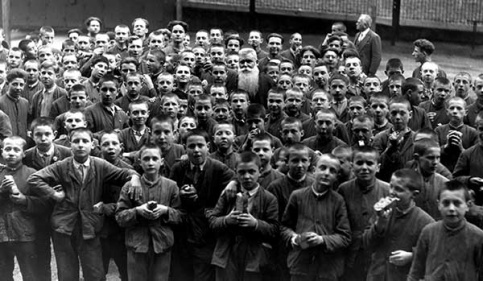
{"x": 55, "y": 134}
{"x": 208, "y": 145}
{"x": 416, "y": 192}
{"x": 416, "y": 156}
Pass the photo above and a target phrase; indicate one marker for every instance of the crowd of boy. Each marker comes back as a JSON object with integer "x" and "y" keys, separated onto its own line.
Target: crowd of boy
{"x": 219, "y": 161}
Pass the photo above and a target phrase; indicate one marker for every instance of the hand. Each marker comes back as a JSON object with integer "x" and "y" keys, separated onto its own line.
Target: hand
{"x": 313, "y": 239}
{"x": 59, "y": 193}
{"x": 188, "y": 192}
{"x": 18, "y": 199}
{"x": 144, "y": 211}
{"x": 148, "y": 81}
{"x": 98, "y": 208}
{"x": 232, "y": 218}
{"x": 159, "y": 211}
{"x": 431, "y": 116}
{"x": 135, "y": 191}
{"x": 382, "y": 219}
{"x": 109, "y": 209}
{"x": 395, "y": 138}
{"x": 476, "y": 181}
{"x": 400, "y": 258}
{"x": 231, "y": 189}
{"x": 454, "y": 139}
{"x": 247, "y": 220}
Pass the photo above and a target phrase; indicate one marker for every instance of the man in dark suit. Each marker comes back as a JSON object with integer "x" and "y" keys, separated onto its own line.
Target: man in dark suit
{"x": 368, "y": 45}
{"x": 295, "y": 46}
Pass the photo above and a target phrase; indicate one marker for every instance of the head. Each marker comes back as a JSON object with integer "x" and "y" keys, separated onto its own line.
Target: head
{"x": 365, "y": 164}
{"x": 43, "y": 133}
{"x": 182, "y": 74}
{"x": 330, "y": 57}
{"x": 344, "y": 154}
{"x": 13, "y": 151}
{"x": 162, "y": 132}
{"x": 135, "y": 46}
{"x": 74, "y": 119}
{"x": 165, "y": 83}
{"x": 45, "y": 53}
{"x": 197, "y": 146}
{"x": 178, "y": 31}
{"x": 320, "y": 100}
{"x": 400, "y": 112}
{"x": 364, "y": 22}
{"x": 32, "y": 67}
{"x": 138, "y": 113}
{"x": 274, "y": 43}
{"x": 201, "y": 38}
{"x": 219, "y": 92}
{"x": 81, "y": 143}
{"x": 239, "y": 102}
{"x": 362, "y": 127}
{"x": 216, "y": 36}
{"x": 234, "y": 43}
{"x": 427, "y": 153}
{"x": 188, "y": 57}
{"x": 462, "y": 84}
{"x": 15, "y": 56}
{"x": 93, "y": 25}
{"x": 309, "y": 55}
{"x": 478, "y": 87}
{"x": 423, "y": 49}
{"x": 151, "y": 158}
{"x": 16, "y": 79}
{"x": 203, "y": 107}
{"x": 262, "y": 146}
{"x": 321, "y": 75}
{"x": 186, "y": 124}
{"x": 429, "y": 72}
{"x": 47, "y": 35}
{"x": 275, "y": 101}
{"x": 395, "y": 84}
{"x": 353, "y": 67}
{"x": 413, "y": 90}
{"x": 338, "y": 86}
{"x": 155, "y": 60}
{"x": 122, "y": 33}
{"x": 326, "y": 172}
{"x": 325, "y": 123}
{"x": 442, "y": 90}
{"x": 248, "y": 170}
{"x": 273, "y": 71}
{"x": 99, "y": 67}
{"x": 294, "y": 99}
{"x": 456, "y": 110}
{"x": 111, "y": 146}
{"x": 70, "y": 61}
{"x": 284, "y": 81}
{"x": 140, "y": 27}
{"x": 405, "y": 184}
{"x": 224, "y": 135}
{"x": 233, "y": 61}
{"x": 77, "y": 96}
{"x": 453, "y": 200}
{"x": 221, "y": 111}
{"x": 128, "y": 65}
{"x": 291, "y": 131}
{"x": 371, "y": 85}
{"x": 248, "y": 60}
{"x": 170, "y": 105}
{"x": 298, "y": 160}
{"x": 108, "y": 88}
{"x": 357, "y": 106}
{"x": 48, "y": 73}
{"x": 379, "y": 107}
{"x": 256, "y": 117}
{"x": 255, "y": 39}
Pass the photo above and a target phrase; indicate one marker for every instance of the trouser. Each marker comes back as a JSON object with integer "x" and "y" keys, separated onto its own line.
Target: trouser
{"x": 148, "y": 266}
{"x": 69, "y": 249}
{"x": 114, "y": 247}
{"x": 236, "y": 264}
{"x": 192, "y": 262}
{"x": 43, "y": 249}
{"x": 26, "y": 257}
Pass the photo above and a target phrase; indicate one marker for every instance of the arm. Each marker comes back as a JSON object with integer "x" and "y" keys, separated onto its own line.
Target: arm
{"x": 126, "y": 215}
{"x": 42, "y": 182}
{"x": 289, "y": 221}
{"x": 462, "y": 168}
{"x": 376, "y": 55}
{"x": 268, "y": 226}
{"x": 418, "y": 266}
{"x": 342, "y": 233}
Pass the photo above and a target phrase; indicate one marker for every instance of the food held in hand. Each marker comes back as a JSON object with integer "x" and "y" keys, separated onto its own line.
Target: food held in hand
{"x": 385, "y": 203}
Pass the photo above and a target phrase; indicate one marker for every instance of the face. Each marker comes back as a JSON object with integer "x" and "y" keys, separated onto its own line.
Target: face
{"x": 183, "y": 107}
{"x": 135, "y": 48}
{"x": 456, "y": 110}
{"x": 177, "y": 34}
{"x": 133, "y": 85}
{"x": 70, "y": 79}
{"x": 156, "y": 41}
{"x": 94, "y": 27}
{"x": 305, "y": 69}
{"x": 221, "y": 113}
{"x": 15, "y": 87}
{"x": 215, "y": 36}
{"x": 284, "y": 82}
{"x": 99, "y": 70}
{"x": 248, "y": 174}
{"x": 361, "y": 131}
{"x": 162, "y": 133}
{"x": 291, "y": 133}
{"x": 45, "y": 54}
{"x": 429, "y": 71}
{"x": 286, "y": 68}
{"x": 326, "y": 172}
{"x": 171, "y": 107}
{"x": 217, "y": 54}
{"x": 233, "y": 45}
{"x": 298, "y": 163}
{"x": 321, "y": 75}
{"x": 308, "y": 57}
{"x": 139, "y": 28}
{"x": 296, "y": 41}
{"x": 187, "y": 40}
{"x": 108, "y": 93}
{"x": 153, "y": 64}
{"x": 14, "y": 58}
{"x": 224, "y": 136}
{"x": 203, "y": 110}
{"x": 365, "y": 166}
{"x": 12, "y": 152}
{"x": 239, "y": 104}
{"x": 195, "y": 90}
{"x": 264, "y": 150}
{"x": 293, "y": 101}
{"x": 418, "y": 55}
{"x": 183, "y": 74}
{"x": 361, "y": 23}
{"x": 202, "y": 39}
{"x": 395, "y": 87}
{"x": 338, "y": 89}
{"x": 273, "y": 72}
{"x": 186, "y": 124}
{"x": 479, "y": 129}
{"x": 353, "y": 67}
{"x": 256, "y": 122}
{"x": 441, "y": 92}
{"x": 247, "y": 62}
{"x": 393, "y": 70}
{"x": 70, "y": 62}
{"x": 200, "y": 54}
{"x": 330, "y": 58}
{"x": 81, "y": 145}
{"x": 462, "y": 84}
{"x": 320, "y": 101}
{"x": 219, "y": 74}
{"x": 139, "y": 113}
{"x": 110, "y": 147}
{"x": 430, "y": 160}
{"x": 345, "y": 164}
{"x": 165, "y": 83}
{"x": 121, "y": 34}
{"x": 232, "y": 62}
{"x": 219, "y": 93}
{"x": 74, "y": 120}
{"x": 83, "y": 43}
{"x": 255, "y": 39}
{"x": 398, "y": 189}
{"x": 274, "y": 45}
{"x": 127, "y": 68}
{"x": 32, "y": 49}
{"x": 102, "y": 40}
{"x": 356, "y": 108}
{"x": 302, "y": 83}
{"x": 197, "y": 149}
{"x": 151, "y": 161}
{"x": 453, "y": 206}
{"x": 372, "y": 85}
{"x": 399, "y": 115}
{"x": 32, "y": 70}
{"x": 189, "y": 59}
{"x": 47, "y": 77}
{"x": 275, "y": 103}
{"x": 74, "y": 36}
{"x": 324, "y": 124}
{"x": 47, "y": 38}
{"x": 336, "y": 44}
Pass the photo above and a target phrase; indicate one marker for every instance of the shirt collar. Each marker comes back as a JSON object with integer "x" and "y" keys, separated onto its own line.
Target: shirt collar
{"x": 292, "y": 179}
{"x": 253, "y": 191}
{"x": 85, "y": 164}
{"x": 33, "y": 85}
{"x": 192, "y": 166}
{"x": 48, "y": 153}
{"x": 318, "y": 194}
{"x": 364, "y": 34}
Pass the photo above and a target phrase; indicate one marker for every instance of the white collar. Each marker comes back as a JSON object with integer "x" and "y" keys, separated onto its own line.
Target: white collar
{"x": 363, "y": 34}
{"x": 253, "y": 191}
{"x": 48, "y": 153}
{"x": 85, "y": 164}
{"x": 192, "y": 166}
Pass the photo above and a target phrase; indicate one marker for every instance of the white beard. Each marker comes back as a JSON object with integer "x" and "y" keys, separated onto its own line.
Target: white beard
{"x": 248, "y": 81}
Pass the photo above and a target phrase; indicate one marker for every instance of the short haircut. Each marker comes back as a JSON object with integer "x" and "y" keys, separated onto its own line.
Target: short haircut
{"x": 292, "y": 120}
{"x": 256, "y": 110}
{"x": 169, "y": 96}
{"x": 327, "y": 94}
{"x": 240, "y": 92}
{"x": 42, "y": 121}
{"x": 442, "y": 80}
{"x": 110, "y": 132}
{"x": 357, "y": 99}
{"x": 411, "y": 84}
{"x": 326, "y": 111}
{"x": 150, "y": 146}
{"x": 129, "y": 60}
{"x": 397, "y": 77}
{"x": 263, "y": 137}
{"x": 49, "y": 64}
{"x": 464, "y": 74}
{"x": 158, "y": 54}
{"x": 274, "y": 35}
{"x": 16, "y": 73}
{"x": 23, "y": 44}
{"x": 205, "y": 97}
{"x": 425, "y": 46}
{"x": 162, "y": 119}
{"x": 401, "y": 100}
{"x": 454, "y": 185}
{"x": 77, "y": 88}
{"x": 146, "y": 22}
{"x": 342, "y": 149}
{"x": 23, "y": 143}
{"x": 338, "y": 76}
{"x": 173, "y": 23}
{"x": 429, "y": 132}
{"x": 80, "y": 130}
{"x": 297, "y": 147}
{"x": 226, "y": 123}
{"x": 98, "y": 59}
{"x": 248, "y": 157}
{"x": 109, "y": 78}
{"x": 46, "y": 29}
{"x": 422, "y": 146}
{"x": 455, "y": 98}
{"x": 138, "y": 102}
{"x": 364, "y": 118}
{"x": 412, "y": 179}
{"x": 365, "y": 149}
{"x": 394, "y": 63}
{"x": 197, "y": 132}
{"x": 379, "y": 96}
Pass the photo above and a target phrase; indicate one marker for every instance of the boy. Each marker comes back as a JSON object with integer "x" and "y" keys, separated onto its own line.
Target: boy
{"x": 218, "y": 92}
{"x": 316, "y": 227}
{"x": 344, "y": 154}
{"x": 262, "y": 146}
{"x": 18, "y": 238}
{"x": 223, "y": 140}
{"x": 294, "y": 99}
{"x": 134, "y": 85}
{"x": 411, "y": 90}
{"x": 257, "y": 225}
{"x": 321, "y": 76}
{"x": 302, "y": 82}
{"x": 370, "y": 86}
{"x": 324, "y": 141}
{"x": 394, "y": 234}
{"x": 168, "y": 104}
{"x": 221, "y": 111}
{"x": 98, "y": 69}
{"x": 452, "y": 241}
{"x": 201, "y": 181}
{"x": 203, "y": 110}
{"x": 436, "y": 107}
{"x": 164, "y": 84}
{"x": 462, "y": 85}
{"x": 427, "y": 155}
{"x": 112, "y": 235}
{"x": 14, "y": 105}
{"x": 239, "y": 102}
{"x": 360, "y": 195}
{"x": 429, "y": 72}
{"x": 455, "y": 136}
{"x": 338, "y": 89}
{"x": 276, "y": 113}
{"x": 468, "y": 168}
{"x": 134, "y": 137}
{"x": 62, "y": 104}
{"x": 149, "y": 236}
{"x": 475, "y": 108}
{"x": 395, "y": 85}
{"x": 357, "y": 107}
{"x": 78, "y": 184}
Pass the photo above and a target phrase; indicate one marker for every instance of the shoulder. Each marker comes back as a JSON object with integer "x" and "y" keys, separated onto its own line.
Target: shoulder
{"x": 167, "y": 182}
{"x": 347, "y": 186}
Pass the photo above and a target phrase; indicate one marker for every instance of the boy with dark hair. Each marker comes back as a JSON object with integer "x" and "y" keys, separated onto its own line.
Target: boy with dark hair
{"x": 394, "y": 234}
{"x": 316, "y": 227}
{"x": 203, "y": 110}
{"x": 246, "y": 235}
{"x": 76, "y": 184}
{"x": 239, "y": 101}
{"x": 393, "y": 66}
{"x": 262, "y": 146}
{"x": 379, "y": 109}
{"x": 360, "y": 195}
{"x": 223, "y": 140}
{"x": 436, "y": 108}
{"x": 148, "y": 220}
{"x": 276, "y": 104}
{"x": 14, "y": 105}
{"x": 324, "y": 141}
{"x": 98, "y": 69}
{"x": 201, "y": 181}
{"x": 134, "y": 137}
{"x": 475, "y": 108}
{"x": 338, "y": 84}
{"x": 411, "y": 90}
{"x": 451, "y": 241}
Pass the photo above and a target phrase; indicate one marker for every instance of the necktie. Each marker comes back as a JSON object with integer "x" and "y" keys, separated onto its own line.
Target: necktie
{"x": 81, "y": 172}
{"x": 196, "y": 174}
